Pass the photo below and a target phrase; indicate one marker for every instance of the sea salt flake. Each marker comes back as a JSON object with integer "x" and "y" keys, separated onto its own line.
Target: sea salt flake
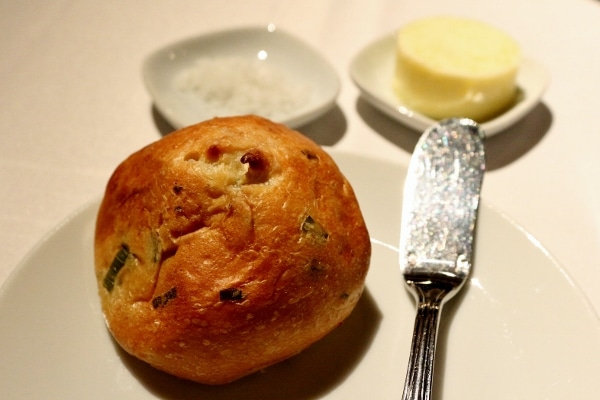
{"x": 238, "y": 86}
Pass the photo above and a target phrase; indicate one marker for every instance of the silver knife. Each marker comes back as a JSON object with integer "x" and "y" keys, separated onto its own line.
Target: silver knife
{"x": 439, "y": 212}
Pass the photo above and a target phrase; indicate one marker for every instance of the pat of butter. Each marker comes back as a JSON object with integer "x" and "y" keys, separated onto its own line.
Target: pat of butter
{"x": 456, "y": 67}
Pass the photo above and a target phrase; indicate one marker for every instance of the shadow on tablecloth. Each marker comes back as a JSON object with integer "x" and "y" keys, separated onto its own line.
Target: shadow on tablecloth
{"x": 501, "y": 149}
{"x": 326, "y": 130}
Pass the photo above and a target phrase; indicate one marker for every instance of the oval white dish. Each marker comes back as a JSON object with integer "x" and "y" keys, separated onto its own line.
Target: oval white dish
{"x": 372, "y": 70}
{"x": 259, "y": 70}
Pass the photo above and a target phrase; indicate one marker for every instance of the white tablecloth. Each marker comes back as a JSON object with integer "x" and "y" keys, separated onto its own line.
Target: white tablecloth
{"x": 73, "y": 105}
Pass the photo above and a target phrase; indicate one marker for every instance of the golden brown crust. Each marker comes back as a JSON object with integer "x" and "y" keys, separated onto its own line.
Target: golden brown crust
{"x": 239, "y": 244}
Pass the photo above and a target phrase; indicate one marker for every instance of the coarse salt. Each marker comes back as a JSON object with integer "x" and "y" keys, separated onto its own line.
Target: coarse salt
{"x": 238, "y": 86}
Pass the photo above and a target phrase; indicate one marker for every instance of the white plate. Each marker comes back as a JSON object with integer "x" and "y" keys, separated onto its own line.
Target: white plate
{"x": 518, "y": 330}
{"x": 372, "y": 70}
{"x": 297, "y": 64}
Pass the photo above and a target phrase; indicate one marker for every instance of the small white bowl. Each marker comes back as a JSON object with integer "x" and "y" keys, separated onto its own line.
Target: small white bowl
{"x": 372, "y": 70}
{"x": 275, "y": 50}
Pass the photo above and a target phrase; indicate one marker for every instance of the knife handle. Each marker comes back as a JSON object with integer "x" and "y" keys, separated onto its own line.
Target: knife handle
{"x": 419, "y": 376}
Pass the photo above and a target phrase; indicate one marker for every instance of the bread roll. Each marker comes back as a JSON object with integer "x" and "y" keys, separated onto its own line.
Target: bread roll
{"x": 456, "y": 67}
{"x": 226, "y": 247}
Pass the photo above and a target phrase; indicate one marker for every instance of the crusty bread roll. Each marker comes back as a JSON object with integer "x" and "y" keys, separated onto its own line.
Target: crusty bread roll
{"x": 456, "y": 67}
{"x": 226, "y": 247}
